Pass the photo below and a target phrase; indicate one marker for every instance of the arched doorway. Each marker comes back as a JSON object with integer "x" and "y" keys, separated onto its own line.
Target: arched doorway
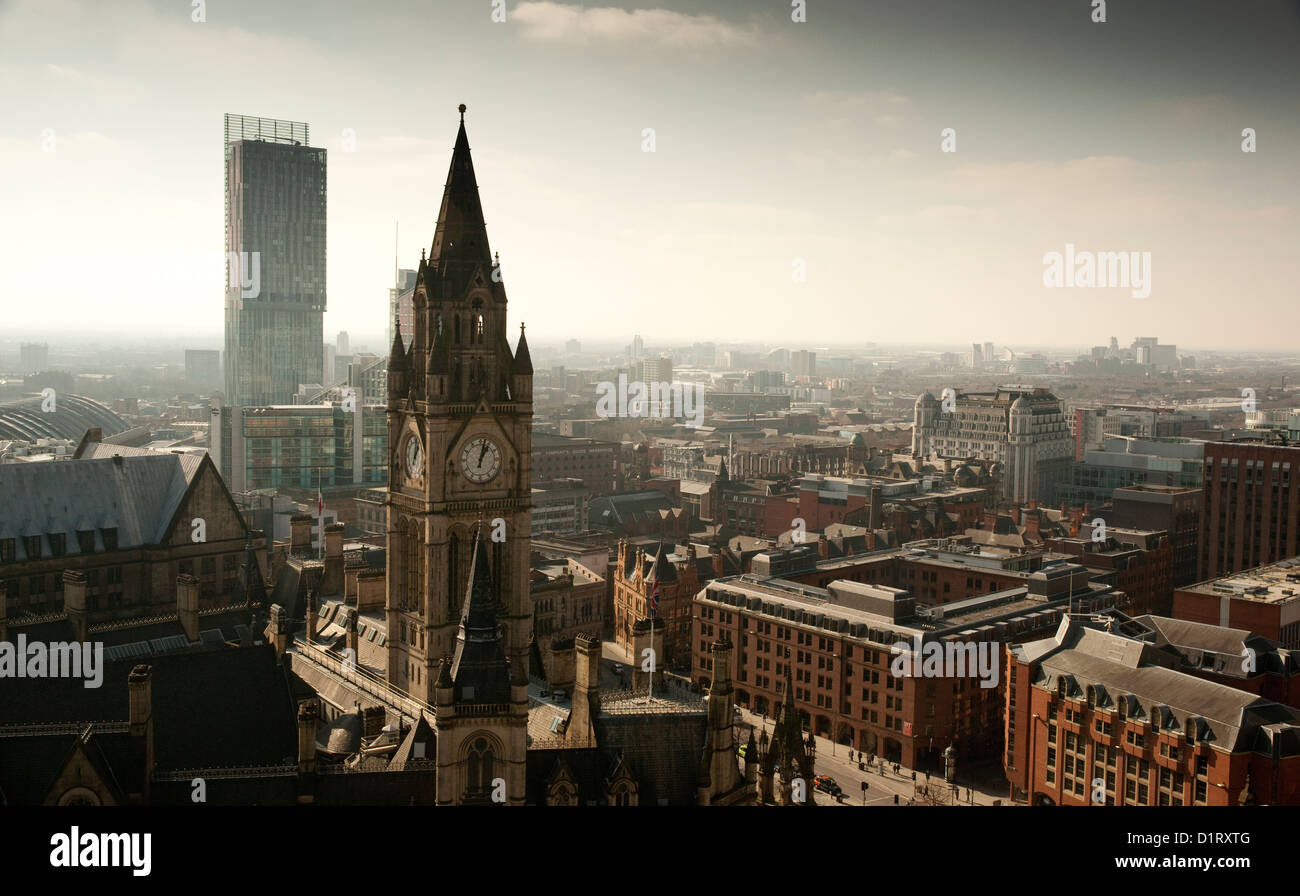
{"x": 845, "y": 735}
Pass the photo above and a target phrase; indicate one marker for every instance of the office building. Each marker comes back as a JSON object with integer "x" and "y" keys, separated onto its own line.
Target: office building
{"x": 1021, "y": 430}
{"x": 203, "y": 368}
{"x": 33, "y": 357}
{"x": 299, "y": 446}
{"x": 275, "y": 251}
{"x": 1252, "y": 507}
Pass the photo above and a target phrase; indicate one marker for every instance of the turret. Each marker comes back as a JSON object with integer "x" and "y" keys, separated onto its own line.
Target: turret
{"x": 398, "y": 368}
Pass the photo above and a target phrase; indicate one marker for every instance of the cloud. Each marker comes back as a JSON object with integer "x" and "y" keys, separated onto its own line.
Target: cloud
{"x": 884, "y": 107}
{"x": 550, "y": 22}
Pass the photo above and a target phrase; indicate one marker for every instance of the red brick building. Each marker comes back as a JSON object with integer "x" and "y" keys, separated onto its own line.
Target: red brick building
{"x": 1252, "y": 507}
{"x": 1265, "y": 601}
{"x": 636, "y": 575}
{"x": 837, "y": 642}
{"x": 1138, "y": 563}
{"x": 1097, "y": 717}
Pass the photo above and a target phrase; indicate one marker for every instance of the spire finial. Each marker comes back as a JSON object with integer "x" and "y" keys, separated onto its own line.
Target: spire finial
{"x": 421, "y": 255}
{"x": 521, "y": 328}
{"x": 461, "y": 107}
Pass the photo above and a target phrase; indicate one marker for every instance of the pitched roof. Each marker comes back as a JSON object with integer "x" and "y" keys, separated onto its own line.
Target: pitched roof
{"x": 138, "y": 495}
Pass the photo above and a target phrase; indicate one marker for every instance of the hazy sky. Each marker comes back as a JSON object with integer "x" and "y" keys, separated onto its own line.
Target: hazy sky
{"x": 774, "y": 141}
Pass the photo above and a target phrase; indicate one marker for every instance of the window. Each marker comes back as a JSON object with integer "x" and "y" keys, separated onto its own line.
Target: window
{"x": 480, "y": 767}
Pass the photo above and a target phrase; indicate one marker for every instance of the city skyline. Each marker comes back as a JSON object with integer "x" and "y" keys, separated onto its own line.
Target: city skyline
{"x": 756, "y": 135}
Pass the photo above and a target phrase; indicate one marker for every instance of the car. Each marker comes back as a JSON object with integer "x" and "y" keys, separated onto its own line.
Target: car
{"x": 826, "y": 784}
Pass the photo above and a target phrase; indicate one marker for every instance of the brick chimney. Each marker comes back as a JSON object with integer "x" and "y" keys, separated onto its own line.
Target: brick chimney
{"x": 187, "y": 605}
{"x": 586, "y": 692}
{"x": 563, "y": 670}
{"x": 277, "y": 629}
{"x": 300, "y": 534}
{"x": 140, "y": 716}
{"x": 1031, "y": 524}
{"x": 332, "y": 581}
{"x": 74, "y": 601}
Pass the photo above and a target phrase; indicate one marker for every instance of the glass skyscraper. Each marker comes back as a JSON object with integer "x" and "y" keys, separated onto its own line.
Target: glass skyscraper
{"x": 275, "y": 260}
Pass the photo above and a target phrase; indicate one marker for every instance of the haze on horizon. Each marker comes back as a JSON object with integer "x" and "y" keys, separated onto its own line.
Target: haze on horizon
{"x": 774, "y": 141}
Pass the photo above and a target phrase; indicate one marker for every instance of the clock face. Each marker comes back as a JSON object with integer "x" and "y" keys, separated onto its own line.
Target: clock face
{"x": 480, "y": 460}
{"x": 414, "y": 457}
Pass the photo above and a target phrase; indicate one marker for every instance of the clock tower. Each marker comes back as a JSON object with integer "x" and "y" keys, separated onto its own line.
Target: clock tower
{"x": 459, "y": 513}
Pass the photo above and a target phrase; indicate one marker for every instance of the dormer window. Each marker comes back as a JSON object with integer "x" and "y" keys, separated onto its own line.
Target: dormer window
{"x": 86, "y": 541}
{"x": 6, "y": 550}
{"x": 32, "y": 545}
{"x": 110, "y": 538}
{"x": 58, "y": 544}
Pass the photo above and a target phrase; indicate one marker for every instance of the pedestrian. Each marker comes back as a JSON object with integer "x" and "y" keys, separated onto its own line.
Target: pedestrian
{"x": 895, "y": 799}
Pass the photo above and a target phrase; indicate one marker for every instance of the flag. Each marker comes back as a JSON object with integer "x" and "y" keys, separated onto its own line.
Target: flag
{"x": 654, "y": 600}
{"x": 320, "y": 504}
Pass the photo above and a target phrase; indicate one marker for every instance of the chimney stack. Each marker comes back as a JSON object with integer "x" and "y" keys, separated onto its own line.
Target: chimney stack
{"x": 74, "y": 601}
{"x": 586, "y": 692}
{"x": 300, "y": 535}
{"x": 140, "y": 716}
{"x": 187, "y": 605}
{"x": 332, "y": 582}
{"x": 563, "y": 671}
{"x": 307, "y": 717}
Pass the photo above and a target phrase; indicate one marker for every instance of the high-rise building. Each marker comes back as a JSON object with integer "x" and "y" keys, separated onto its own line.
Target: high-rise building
{"x": 275, "y": 253}
{"x": 803, "y": 363}
{"x": 1252, "y": 507}
{"x": 988, "y": 353}
{"x": 573, "y": 347}
{"x": 976, "y": 356}
{"x": 638, "y": 347}
{"x": 399, "y": 304}
{"x": 33, "y": 357}
{"x": 343, "y": 344}
{"x": 203, "y": 367}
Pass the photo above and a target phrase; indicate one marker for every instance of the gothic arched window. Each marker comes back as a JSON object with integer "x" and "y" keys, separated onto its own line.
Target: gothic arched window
{"x": 480, "y": 766}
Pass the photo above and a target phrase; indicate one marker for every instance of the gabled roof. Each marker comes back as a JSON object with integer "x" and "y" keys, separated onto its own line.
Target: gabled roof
{"x": 138, "y": 495}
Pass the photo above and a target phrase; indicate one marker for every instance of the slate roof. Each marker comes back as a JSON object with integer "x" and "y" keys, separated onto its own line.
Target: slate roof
{"x": 610, "y": 511}
{"x": 1140, "y": 674}
{"x": 210, "y": 708}
{"x": 137, "y": 495}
